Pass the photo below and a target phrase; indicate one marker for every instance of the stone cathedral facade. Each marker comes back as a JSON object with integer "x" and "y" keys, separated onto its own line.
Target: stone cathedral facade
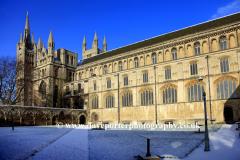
{"x": 151, "y": 81}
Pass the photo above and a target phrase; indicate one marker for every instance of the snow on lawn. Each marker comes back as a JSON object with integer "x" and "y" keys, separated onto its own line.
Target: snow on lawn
{"x": 24, "y": 142}
{"x": 125, "y": 144}
{"x": 224, "y": 144}
{"x": 73, "y": 145}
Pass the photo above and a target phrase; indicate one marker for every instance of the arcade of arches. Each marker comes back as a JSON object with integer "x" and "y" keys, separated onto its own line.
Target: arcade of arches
{"x": 29, "y": 116}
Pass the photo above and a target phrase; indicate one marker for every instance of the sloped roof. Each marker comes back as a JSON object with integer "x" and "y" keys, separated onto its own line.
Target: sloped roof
{"x": 183, "y": 32}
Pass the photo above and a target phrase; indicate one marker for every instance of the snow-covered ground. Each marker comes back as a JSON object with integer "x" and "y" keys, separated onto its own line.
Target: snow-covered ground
{"x": 67, "y": 143}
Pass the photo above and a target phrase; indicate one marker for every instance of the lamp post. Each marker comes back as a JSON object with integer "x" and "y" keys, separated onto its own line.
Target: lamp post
{"x": 209, "y": 92}
{"x": 207, "y": 147}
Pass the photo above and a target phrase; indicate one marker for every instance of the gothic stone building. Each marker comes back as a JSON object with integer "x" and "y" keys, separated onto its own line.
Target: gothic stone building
{"x": 151, "y": 81}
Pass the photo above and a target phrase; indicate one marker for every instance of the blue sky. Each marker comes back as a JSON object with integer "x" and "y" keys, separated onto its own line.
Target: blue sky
{"x": 123, "y": 22}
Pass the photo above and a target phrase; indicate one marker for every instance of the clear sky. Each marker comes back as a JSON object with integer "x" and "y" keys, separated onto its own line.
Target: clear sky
{"x": 123, "y": 22}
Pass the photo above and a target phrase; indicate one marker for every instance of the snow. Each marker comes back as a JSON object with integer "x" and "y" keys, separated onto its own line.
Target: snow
{"x": 67, "y": 143}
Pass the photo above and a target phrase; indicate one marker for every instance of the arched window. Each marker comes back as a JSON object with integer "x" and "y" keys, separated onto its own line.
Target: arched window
{"x": 125, "y": 80}
{"x": 170, "y": 94}
{"x": 193, "y": 68}
{"x": 95, "y": 102}
{"x": 80, "y": 76}
{"x": 146, "y": 97}
{"x": 136, "y": 62}
{"x": 224, "y": 65}
{"x": 226, "y": 88}
{"x": 154, "y": 58}
{"x": 197, "y": 48}
{"x": 91, "y": 72}
{"x": 145, "y": 77}
{"x": 109, "y": 83}
{"x": 120, "y": 66}
{"x": 105, "y": 69}
{"x": 56, "y": 72}
{"x": 96, "y": 118}
{"x": 174, "y": 53}
{"x": 79, "y": 88}
{"x": 43, "y": 90}
{"x": 195, "y": 91}
{"x": 127, "y": 99}
{"x": 223, "y": 42}
{"x": 110, "y": 101}
{"x": 168, "y": 73}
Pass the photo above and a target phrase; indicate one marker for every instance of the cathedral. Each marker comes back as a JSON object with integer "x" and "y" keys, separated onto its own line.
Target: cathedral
{"x": 147, "y": 82}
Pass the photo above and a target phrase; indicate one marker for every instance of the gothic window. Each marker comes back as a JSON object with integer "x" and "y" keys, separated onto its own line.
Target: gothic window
{"x": 125, "y": 81}
{"x": 127, "y": 99}
{"x": 120, "y": 66}
{"x": 136, "y": 62}
{"x": 95, "y": 102}
{"x": 154, "y": 58}
{"x": 67, "y": 90}
{"x": 56, "y": 72}
{"x": 224, "y": 65}
{"x": 72, "y": 60}
{"x": 91, "y": 72}
{"x": 174, "y": 53}
{"x": 197, "y": 48}
{"x": 145, "y": 77}
{"x": 105, "y": 69}
{"x": 193, "y": 68}
{"x": 110, "y": 101}
{"x": 170, "y": 94}
{"x": 108, "y": 83}
{"x": 79, "y": 88}
{"x": 168, "y": 73}
{"x": 94, "y": 86}
{"x": 80, "y": 76}
{"x": 223, "y": 43}
{"x": 146, "y": 97}
{"x": 195, "y": 91}
{"x": 96, "y": 118}
{"x": 226, "y": 88}
{"x": 43, "y": 89}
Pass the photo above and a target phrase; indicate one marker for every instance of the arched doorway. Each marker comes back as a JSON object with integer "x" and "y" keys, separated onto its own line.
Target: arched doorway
{"x": 53, "y": 120}
{"x": 82, "y": 119}
{"x": 228, "y": 115}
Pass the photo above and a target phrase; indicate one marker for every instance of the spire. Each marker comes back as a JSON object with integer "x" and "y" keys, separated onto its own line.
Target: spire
{"x": 104, "y": 44}
{"x": 27, "y": 23}
{"x": 84, "y": 40}
{"x": 50, "y": 39}
{"x": 95, "y": 37}
{"x": 39, "y": 43}
{"x": 21, "y": 37}
{"x": 32, "y": 38}
{"x": 95, "y": 41}
{"x": 104, "y": 40}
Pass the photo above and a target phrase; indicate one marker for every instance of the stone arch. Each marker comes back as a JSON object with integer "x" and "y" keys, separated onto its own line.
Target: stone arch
{"x": 232, "y": 41}
{"x": 43, "y": 93}
{"x": 220, "y": 111}
{"x": 204, "y": 47}
{"x": 40, "y": 118}
{"x": 181, "y": 52}
{"x": 214, "y": 44}
{"x": 82, "y": 119}
{"x": 28, "y": 117}
{"x": 94, "y": 118}
{"x": 189, "y": 50}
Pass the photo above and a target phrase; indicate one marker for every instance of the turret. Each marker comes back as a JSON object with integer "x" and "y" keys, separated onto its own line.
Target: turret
{"x": 84, "y": 45}
{"x": 95, "y": 41}
{"x": 104, "y": 44}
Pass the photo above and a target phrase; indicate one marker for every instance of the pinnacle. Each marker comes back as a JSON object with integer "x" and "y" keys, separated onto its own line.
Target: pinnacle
{"x": 84, "y": 40}
{"x": 27, "y": 23}
{"x": 40, "y": 42}
{"x": 95, "y": 37}
{"x": 104, "y": 40}
{"x": 50, "y": 39}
